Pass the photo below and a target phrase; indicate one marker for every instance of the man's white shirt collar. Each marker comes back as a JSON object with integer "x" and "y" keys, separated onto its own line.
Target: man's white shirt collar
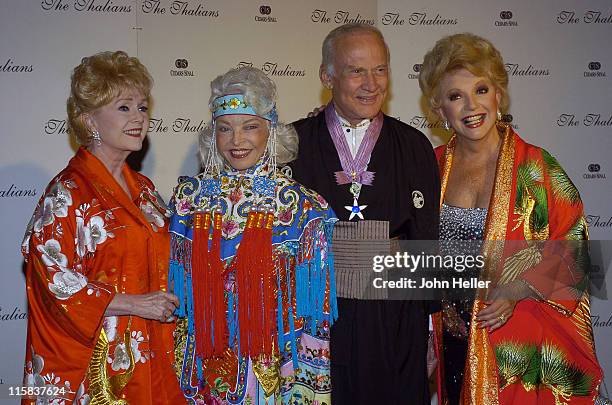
{"x": 354, "y": 133}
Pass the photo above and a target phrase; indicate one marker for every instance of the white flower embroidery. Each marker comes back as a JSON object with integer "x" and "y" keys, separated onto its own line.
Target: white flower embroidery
{"x": 34, "y": 378}
{"x": 81, "y": 397}
{"x": 51, "y": 380}
{"x": 96, "y": 232}
{"x": 66, "y": 283}
{"x": 45, "y": 215}
{"x": 122, "y": 360}
{"x": 80, "y": 239}
{"x": 33, "y": 369}
{"x": 52, "y": 254}
{"x": 135, "y": 340}
{"x": 152, "y": 215}
{"x": 55, "y": 204}
{"x": 110, "y": 327}
{"x": 89, "y": 235}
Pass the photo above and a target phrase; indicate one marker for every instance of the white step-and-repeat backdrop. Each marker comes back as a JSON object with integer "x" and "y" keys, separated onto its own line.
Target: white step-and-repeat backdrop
{"x": 557, "y": 54}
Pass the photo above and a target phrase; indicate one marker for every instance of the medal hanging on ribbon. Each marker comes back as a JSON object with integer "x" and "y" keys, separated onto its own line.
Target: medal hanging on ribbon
{"x": 353, "y": 169}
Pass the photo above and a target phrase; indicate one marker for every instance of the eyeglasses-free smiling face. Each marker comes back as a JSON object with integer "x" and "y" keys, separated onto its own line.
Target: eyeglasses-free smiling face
{"x": 123, "y": 124}
{"x": 241, "y": 139}
{"x": 469, "y": 103}
{"x": 361, "y": 76}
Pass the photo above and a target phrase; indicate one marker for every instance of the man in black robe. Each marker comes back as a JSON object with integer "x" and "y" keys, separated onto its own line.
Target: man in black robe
{"x": 378, "y": 347}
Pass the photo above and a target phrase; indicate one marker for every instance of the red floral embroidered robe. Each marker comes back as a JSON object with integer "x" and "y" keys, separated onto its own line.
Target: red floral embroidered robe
{"x": 87, "y": 241}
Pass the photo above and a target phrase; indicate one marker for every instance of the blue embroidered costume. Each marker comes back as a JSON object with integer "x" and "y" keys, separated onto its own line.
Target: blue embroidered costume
{"x": 271, "y": 339}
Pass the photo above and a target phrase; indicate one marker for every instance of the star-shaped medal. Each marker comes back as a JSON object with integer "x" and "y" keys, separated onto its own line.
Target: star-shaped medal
{"x": 355, "y": 209}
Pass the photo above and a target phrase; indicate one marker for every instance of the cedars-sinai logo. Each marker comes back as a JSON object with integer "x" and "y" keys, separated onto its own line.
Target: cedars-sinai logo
{"x": 505, "y": 19}
{"x": 516, "y": 69}
{"x": 509, "y": 120}
{"x": 339, "y": 17}
{"x": 11, "y": 67}
{"x": 416, "y": 68}
{"x": 276, "y": 69}
{"x": 181, "y": 66}
{"x": 589, "y": 17}
{"x": 265, "y": 16}
{"x": 594, "y": 172}
{"x": 594, "y": 70}
{"x": 178, "y": 7}
{"x": 417, "y": 18}
{"x": 95, "y": 6}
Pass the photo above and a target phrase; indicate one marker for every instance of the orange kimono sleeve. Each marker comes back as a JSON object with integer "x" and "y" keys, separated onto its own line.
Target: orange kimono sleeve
{"x": 66, "y": 306}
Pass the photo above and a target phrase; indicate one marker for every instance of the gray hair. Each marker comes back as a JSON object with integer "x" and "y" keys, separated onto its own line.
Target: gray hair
{"x": 260, "y": 92}
{"x": 328, "y": 50}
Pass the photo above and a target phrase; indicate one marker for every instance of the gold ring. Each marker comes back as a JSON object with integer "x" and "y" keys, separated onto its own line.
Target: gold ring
{"x": 502, "y": 318}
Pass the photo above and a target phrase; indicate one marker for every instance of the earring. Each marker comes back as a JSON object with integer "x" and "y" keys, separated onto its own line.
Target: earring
{"x": 446, "y": 125}
{"x": 212, "y": 160}
{"x": 95, "y": 136}
{"x": 271, "y": 148}
{"x": 499, "y": 115}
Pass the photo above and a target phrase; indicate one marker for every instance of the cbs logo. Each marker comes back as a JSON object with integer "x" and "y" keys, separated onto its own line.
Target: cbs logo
{"x": 265, "y": 10}
{"x": 505, "y": 15}
{"x": 594, "y": 66}
{"x": 594, "y": 168}
{"x": 507, "y": 118}
{"x": 181, "y": 63}
{"x": 417, "y": 67}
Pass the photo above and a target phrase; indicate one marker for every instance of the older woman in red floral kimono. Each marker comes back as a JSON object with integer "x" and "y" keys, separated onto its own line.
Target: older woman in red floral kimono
{"x": 530, "y": 340}
{"x": 100, "y": 326}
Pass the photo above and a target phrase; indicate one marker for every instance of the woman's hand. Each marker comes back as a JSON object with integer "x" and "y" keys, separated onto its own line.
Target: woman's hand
{"x": 157, "y": 305}
{"x": 500, "y": 304}
{"x": 498, "y": 310}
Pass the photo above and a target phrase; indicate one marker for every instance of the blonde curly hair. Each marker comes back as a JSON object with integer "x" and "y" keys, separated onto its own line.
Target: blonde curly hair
{"x": 462, "y": 51}
{"x": 96, "y": 81}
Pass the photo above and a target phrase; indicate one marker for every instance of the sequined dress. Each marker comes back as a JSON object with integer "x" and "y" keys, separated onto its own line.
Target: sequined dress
{"x": 458, "y": 224}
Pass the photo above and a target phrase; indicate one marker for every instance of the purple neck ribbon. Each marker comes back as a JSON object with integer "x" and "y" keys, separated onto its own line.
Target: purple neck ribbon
{"x": 353, "y": 169}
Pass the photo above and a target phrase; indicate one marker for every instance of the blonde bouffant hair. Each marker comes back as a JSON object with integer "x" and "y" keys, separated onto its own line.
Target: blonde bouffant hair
{"x": 96, "y": 81}
{"x": 462, "y": 51}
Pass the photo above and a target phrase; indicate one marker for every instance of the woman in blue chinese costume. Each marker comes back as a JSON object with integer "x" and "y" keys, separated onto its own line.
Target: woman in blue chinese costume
{"x": 251, "y": 260}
